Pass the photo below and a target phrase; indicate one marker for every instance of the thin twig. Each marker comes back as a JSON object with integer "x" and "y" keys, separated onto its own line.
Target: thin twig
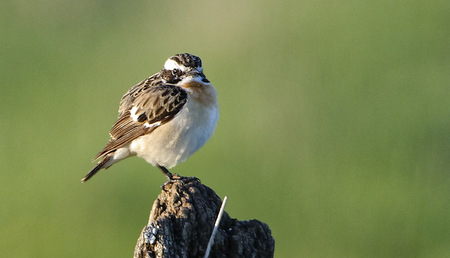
{"x": 216, "y": 226}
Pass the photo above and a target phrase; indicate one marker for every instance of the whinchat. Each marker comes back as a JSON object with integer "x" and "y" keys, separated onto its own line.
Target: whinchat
{"x": 165, "y": 118}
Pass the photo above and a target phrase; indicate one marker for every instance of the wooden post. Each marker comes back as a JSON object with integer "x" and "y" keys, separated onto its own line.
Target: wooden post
{"x": 182, "y": 220}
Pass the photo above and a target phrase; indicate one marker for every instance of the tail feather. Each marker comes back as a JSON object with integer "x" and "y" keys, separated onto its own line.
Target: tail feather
{"x": 94, "y": 171}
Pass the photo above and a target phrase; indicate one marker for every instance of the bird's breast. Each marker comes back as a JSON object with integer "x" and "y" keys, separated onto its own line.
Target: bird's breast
{"x": 173, "y": 142}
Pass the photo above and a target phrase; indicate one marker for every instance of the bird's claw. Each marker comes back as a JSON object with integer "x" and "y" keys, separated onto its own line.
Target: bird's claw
{"x": 177, "y": 178}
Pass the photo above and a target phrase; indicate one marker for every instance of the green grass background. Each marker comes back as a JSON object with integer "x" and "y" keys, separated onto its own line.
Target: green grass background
{"x": 334, "y": 127}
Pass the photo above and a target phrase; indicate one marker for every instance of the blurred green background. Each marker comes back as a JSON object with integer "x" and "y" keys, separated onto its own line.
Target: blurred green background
{"x": 334, "y": 127}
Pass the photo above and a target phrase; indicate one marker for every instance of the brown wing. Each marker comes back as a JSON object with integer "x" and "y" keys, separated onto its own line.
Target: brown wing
{"x": 154, "y": 106}
{"x": 127, "y": 100}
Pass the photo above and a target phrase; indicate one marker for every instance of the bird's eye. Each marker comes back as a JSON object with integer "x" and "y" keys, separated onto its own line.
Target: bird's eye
{"x": 175, "y": 71}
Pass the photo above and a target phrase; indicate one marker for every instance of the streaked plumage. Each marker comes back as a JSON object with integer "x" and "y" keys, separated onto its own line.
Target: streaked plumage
{"x": 165, "y": 118}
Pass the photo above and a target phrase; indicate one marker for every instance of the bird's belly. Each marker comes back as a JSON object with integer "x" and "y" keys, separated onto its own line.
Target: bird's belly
{"x": 173, "y": 142}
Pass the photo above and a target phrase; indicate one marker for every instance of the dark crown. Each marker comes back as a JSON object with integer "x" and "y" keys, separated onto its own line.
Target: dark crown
{"x": 187, "y": 60}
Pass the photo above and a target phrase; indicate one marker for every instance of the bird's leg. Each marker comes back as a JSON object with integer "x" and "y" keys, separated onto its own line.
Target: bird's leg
{"x": 171, "y": 178}
{"x": 166, "y": 173}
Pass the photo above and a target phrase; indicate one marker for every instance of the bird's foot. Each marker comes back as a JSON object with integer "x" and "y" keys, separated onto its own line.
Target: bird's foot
{"x": 173, "y": 178}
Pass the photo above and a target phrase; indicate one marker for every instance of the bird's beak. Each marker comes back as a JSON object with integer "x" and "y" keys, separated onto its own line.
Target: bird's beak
{"x": 196, "y": 73}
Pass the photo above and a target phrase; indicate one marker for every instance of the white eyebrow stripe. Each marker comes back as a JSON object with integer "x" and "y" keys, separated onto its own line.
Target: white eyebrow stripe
{"x": 171, "y": 64}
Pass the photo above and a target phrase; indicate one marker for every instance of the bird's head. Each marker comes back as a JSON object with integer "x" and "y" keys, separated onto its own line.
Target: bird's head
{"x": 183, "y": 67}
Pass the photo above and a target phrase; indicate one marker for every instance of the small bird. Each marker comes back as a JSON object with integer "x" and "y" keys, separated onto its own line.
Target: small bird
{"x": 163, "y": 119}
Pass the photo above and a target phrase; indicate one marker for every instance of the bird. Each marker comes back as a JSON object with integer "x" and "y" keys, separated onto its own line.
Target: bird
{"x": 164, "y": 119}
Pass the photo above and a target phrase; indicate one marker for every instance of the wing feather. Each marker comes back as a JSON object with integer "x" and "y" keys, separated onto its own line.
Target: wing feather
{"x": 127, "y": 100}
{"x": 154, "y": 106}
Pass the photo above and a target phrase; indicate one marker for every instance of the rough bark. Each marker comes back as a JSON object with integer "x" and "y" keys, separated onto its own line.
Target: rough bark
{"x": 182, "y": 219}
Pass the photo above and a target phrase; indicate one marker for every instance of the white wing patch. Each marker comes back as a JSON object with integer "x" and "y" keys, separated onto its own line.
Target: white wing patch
{"x": 156, "y": 124}
{"x": 135, "y": 118}
{"x": 133, "y": 114}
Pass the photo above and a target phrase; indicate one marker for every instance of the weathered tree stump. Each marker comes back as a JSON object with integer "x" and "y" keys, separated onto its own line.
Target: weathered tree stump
{"x": 182, "y": 220}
